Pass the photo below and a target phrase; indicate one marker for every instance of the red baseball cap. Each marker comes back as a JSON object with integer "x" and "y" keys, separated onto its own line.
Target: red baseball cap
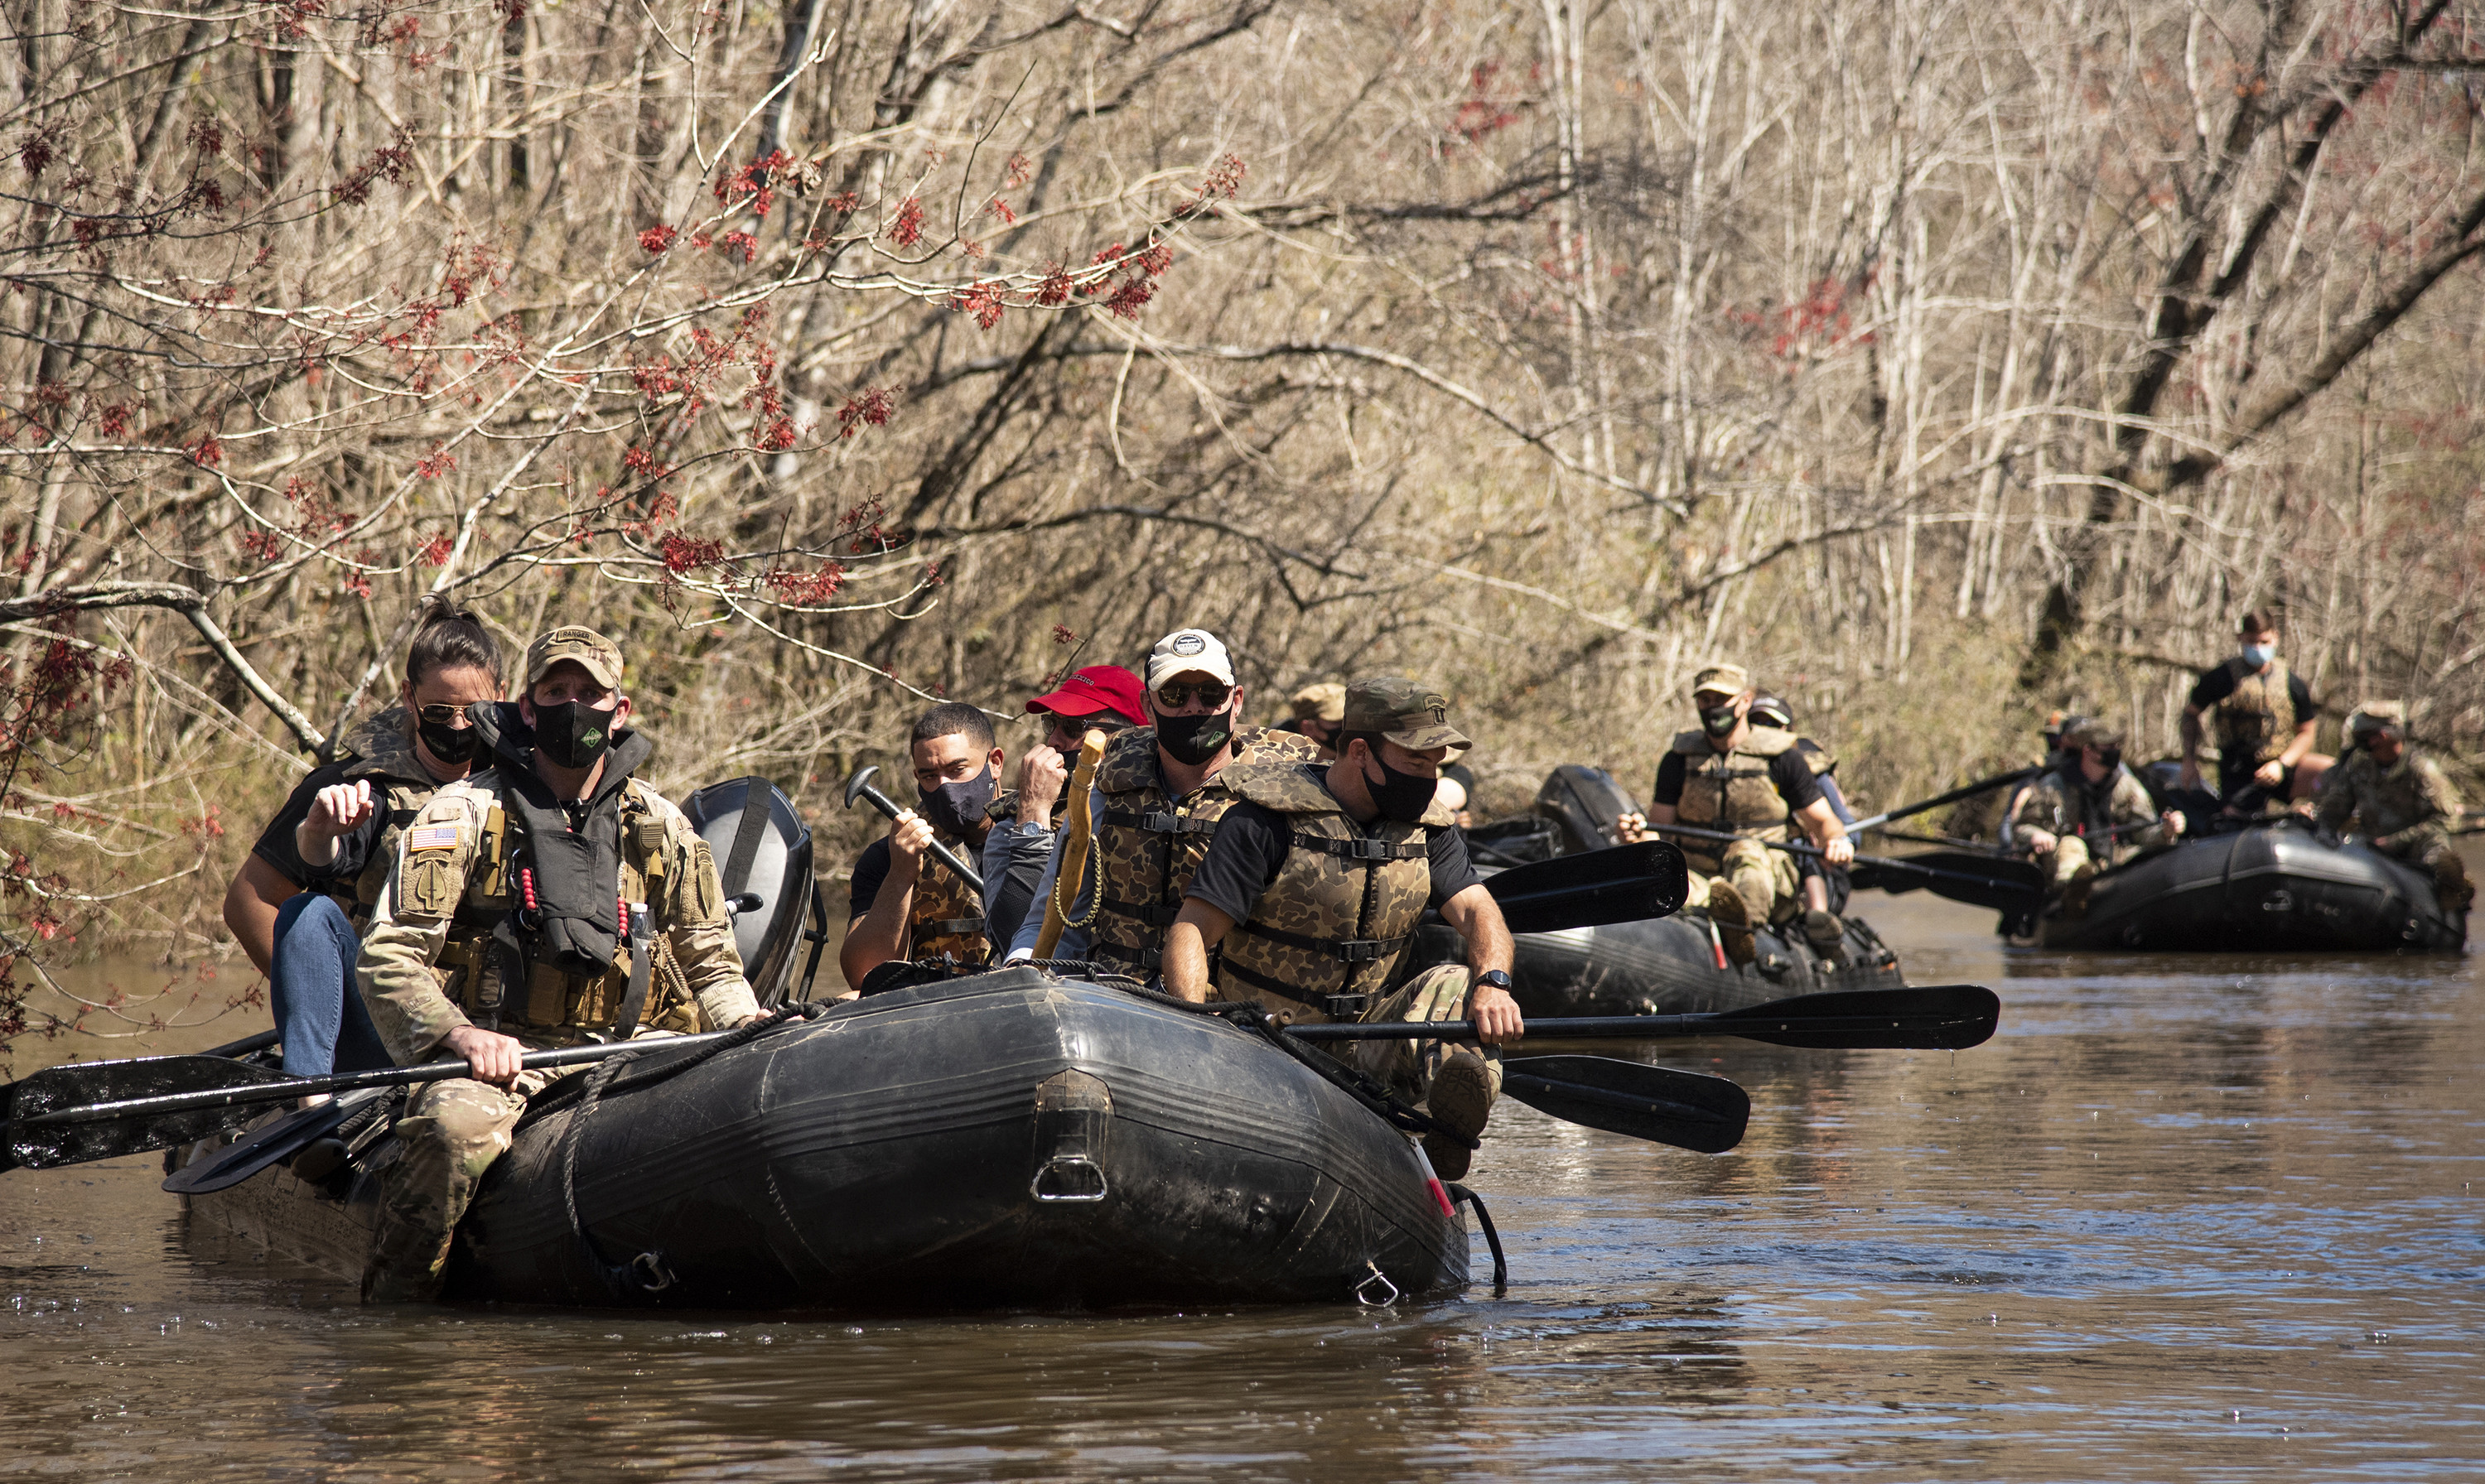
{"x": 1097, "y": 688}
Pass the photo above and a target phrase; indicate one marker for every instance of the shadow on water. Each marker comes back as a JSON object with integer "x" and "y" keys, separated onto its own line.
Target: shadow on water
{"x": 2184, "y": 1218}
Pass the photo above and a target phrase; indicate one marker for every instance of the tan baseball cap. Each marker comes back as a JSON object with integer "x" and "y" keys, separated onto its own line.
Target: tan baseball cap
{"x": 1416, "y": 717}
{"x": 597, "y": 655}
{"x": 1723, "y": 679}
{"x": 1185, "y": 650}
{"x": 1323, "y": 702}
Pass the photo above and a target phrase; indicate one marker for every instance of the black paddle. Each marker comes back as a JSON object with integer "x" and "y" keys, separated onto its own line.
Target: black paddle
{"x": 1928, "y": 1018}
{"x": 103, "y": 1110}
{"x": 1683, "y": 1109}
{"x": 858, "y": 786}
{"x": 1999, "y": 780}
{"x": 1976, "y": 879}
{"x": 1628, "y": 883}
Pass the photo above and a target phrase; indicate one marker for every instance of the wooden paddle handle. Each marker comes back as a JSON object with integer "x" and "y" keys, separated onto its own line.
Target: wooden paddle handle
{"x": 1076, "y": 830}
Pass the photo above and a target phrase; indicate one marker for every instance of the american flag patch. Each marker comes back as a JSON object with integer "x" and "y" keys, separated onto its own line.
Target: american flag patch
{"x": 432, "y": 837}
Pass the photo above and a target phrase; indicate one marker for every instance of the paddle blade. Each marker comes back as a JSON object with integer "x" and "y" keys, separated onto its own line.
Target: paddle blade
{"x": 1681, "y": 1109}
{"x": 282, "y": 1138}
{"x": 1924, "y": 1017}
{"x": 102, "y": 1082}
{"x": 1995, "y": 882}
{"x": 1626, "y": 884}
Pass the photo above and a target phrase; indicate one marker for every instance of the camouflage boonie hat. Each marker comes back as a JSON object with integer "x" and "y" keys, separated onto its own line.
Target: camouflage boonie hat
{"x": 1323, "y": 702}
{"x": 2378, "y": 716}
{"x": 1724, "y": 679}
{"x": 1403, "y": 712}
{"x": 599, "y": 656}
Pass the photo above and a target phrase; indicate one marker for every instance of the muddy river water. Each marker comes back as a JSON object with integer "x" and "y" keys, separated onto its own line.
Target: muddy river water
{"x": 2206, "y": 1219}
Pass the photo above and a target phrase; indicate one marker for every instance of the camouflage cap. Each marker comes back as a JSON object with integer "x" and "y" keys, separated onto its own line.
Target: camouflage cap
{"x": 597, "y": 655}
{"x": 1411, "y": 715}
{"x": 1323, "y": 702}
{"x": 2378, "y": 716}
{"x": 2103, "y": 736}
{"x": 1723, "y": 679}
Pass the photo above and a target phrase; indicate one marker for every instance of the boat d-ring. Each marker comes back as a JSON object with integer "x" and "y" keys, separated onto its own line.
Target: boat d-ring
{"x": 1068, "y": 1178}
{"x": 1363, "y": 1291}
{"x": 651, "y": 1272}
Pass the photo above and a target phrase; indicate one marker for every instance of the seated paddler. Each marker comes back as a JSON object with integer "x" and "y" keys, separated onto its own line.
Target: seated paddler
{"x": 2398, "y": 800}
{"x": 1310, "y": 892}
{"x": 1727, "y": 776}
{"x": 905, "y": 902}
{"x": 1155, "y": 802}
{"x": 2088, "y": 813}
{"x": 549, "y": 899}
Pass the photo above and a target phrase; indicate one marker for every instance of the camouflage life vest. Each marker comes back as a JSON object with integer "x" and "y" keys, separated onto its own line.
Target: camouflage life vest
{"x": 2257, "y": 719}
{"x": 381, "y": 752}
{"x": 1823, "y": 762}
{"x": 1731, "y": 790}
{"x": 1148, "y": 846}
{"x": 1325, "y": 934}
{"x": 946, "y": 916}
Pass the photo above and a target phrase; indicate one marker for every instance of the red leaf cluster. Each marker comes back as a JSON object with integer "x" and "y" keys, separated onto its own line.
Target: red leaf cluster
{"x": 906, "y": 228}
{"x": 871, "y": 405}
{"x": 686, "y": 553}
{"x": 981, "y": 300}
{"x": 805, "y": 589}
{"x": 655, "y": 239}
{"x": 435, "y": 552}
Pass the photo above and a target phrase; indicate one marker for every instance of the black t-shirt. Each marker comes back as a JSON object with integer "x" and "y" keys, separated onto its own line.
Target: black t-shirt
{"x": 1251, "y": 844}
{"x": 871, "y": 868}
{"x": 2216, "y": 685}
{"x": 353, "y": 848}
{"x": 1787, "y": 770}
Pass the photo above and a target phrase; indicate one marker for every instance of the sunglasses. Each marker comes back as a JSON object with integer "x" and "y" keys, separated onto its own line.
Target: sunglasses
{"x": 441, "y": 713}
{"x": 1175, "y": 693}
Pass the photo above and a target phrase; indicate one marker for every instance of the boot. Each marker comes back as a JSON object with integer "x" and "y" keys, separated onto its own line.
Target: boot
{"x": 2451, "y": 887}
{"x": 1461, "y": 1100}
{"x": 2075, "y": 895}
{"x": 1734, "y": 920}
{"x": 1826, "y": 934}
{"x": 408, "y": 1261}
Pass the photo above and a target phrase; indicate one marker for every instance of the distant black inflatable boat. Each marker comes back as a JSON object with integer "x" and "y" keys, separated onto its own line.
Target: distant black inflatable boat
{"x": 1670, "y": 965}
{"x": 1004, "y": 1140}
{"x": 2277, "y": 887}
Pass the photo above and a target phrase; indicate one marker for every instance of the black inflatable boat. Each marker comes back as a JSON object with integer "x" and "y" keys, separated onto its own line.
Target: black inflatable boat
{"x": 1008, "y": 1139}
{"x": 1670, "y": 965}
{"x": 2274, "y": 887}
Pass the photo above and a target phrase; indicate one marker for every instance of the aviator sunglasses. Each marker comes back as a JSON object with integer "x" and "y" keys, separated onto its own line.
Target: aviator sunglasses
{"x": 1174, "y": 694}
{"x": 439, "y": 714}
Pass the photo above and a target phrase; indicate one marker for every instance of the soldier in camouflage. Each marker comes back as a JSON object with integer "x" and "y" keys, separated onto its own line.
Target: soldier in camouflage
{"x": 1311, "y": 889}
{"x": 552, "y": 900}
{"x": 2087, "y": 812}
{"x": 1156, "y": 803}
{"x": 2398, "y": 799}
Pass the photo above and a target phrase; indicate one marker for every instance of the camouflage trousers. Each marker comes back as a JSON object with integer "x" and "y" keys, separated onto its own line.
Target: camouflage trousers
{"x": 2071, "y": 853}
{"x": 452, "y": 1133}
{"x": 1407, "y": 1066}
{"x": 1767, "y": 879}
{"x": 2429, "y": 847}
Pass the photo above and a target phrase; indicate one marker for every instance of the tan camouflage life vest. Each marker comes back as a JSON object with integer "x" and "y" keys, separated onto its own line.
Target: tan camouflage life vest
{"x": 946, "y": 916}
{"x": 2258, "y": 719}
{"x": 381, "y": 750}
{"x": 472, "y": 964}
{"x": 1148, "y": 846}
{"x": 1323, "y": 937}
{"x": 1731, "y": 790}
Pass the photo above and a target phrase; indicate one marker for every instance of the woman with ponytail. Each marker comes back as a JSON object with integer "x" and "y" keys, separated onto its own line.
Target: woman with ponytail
{"x": 300, "y": 902}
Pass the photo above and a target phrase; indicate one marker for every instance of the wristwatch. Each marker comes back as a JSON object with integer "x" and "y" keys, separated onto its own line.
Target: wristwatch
{"x": 1496, "y": 977}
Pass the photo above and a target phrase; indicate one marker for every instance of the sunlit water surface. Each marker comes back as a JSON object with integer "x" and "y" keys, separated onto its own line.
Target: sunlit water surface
{"x": 2185, "y": 1218}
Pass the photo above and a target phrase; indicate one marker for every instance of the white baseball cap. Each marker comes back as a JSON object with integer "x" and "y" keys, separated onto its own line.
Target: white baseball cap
{"x": 1185, "y": 650}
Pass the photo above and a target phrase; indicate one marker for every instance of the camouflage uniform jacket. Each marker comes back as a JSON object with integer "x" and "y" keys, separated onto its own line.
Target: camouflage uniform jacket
{"x": 1731, "y": 790}
{"x": 1145, "y": 845}
{"x": 946, "y": 916}
{"x": 431, "y": 961}
{"x": 2397, "y": 806}
{"x": 381, "y": 752}
{"x": 1330, "y": 929}
{"x": 2056, "y": 804}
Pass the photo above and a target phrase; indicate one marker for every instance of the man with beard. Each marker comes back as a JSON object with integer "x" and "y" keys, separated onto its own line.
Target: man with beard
{"x": 904, "y": 903}
{"x": 552, "y": 900}
{"x": 1155, "y": 804}
{"x": 1310, "y": 892}
{"x": 1018, "y": 847}
{"x": 2090, "y": 812}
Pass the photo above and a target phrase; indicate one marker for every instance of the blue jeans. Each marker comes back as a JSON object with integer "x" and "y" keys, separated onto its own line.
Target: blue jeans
{"x": 320, "y": 1012}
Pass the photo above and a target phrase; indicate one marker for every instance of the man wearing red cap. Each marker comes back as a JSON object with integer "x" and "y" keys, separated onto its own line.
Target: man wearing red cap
{"x": 1102, "y": 697}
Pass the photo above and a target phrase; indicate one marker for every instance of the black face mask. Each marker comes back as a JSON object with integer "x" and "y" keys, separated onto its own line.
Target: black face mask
{"x": 2111, "y": 759}
{"x": 954, "y": 807}
{"x": 448, "y": 744}
{"x": 1401, "y": 797}
{"x": 572, "y": 734}
{"x": 1718, "y": 720}
{"x": 1195, "y": 740}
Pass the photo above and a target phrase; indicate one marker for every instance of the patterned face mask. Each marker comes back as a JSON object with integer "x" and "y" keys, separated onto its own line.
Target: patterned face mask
{"x": 573, "y": 734}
